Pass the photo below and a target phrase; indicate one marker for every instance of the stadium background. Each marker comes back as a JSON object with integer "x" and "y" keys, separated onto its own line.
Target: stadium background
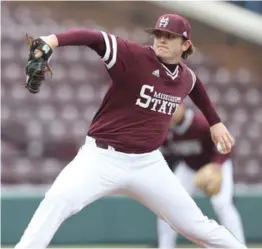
{"x": 42, "y": 133}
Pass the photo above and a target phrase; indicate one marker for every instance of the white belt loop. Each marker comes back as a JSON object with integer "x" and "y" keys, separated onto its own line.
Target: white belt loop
{"x": 111, "y": 148}
{"x": 90, "y": 140}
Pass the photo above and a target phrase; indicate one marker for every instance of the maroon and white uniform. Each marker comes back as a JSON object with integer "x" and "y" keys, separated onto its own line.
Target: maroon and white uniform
{"x": 136, "y": 111}
{"x": 189, "y": 145}
{"x": 121, "y": 153}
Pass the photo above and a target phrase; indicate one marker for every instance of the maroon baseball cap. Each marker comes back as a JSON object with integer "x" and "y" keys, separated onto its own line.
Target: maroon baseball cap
{"x": 172, "y": 23}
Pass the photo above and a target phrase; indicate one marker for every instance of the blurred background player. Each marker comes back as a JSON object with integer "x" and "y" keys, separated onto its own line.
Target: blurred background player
{"x": 189, "y": 145}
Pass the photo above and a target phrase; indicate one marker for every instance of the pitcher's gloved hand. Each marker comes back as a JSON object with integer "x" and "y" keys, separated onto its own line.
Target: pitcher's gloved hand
{"x": 37, "y": 65}
{"x": 209, "y": 179}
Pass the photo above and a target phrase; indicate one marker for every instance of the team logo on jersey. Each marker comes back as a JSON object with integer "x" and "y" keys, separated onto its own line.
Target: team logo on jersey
{"x": 156, "y": 73}
{"x": 158, "y": 102}
{"x": 163, "y": 22}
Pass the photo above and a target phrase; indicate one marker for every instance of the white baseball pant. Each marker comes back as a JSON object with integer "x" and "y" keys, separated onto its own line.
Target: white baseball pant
{"x": 97, "y": 172}
{"x": 222, "y": 204}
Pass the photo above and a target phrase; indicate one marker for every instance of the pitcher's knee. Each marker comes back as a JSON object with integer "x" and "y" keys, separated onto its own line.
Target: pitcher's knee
{"x": 61, "y": 201}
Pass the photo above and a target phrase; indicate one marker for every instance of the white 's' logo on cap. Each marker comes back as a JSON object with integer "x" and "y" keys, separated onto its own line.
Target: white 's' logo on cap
{"x": 163, "y": 22}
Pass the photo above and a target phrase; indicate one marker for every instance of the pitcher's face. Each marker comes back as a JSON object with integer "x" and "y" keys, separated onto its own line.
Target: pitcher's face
{"x": 169, "y": 47}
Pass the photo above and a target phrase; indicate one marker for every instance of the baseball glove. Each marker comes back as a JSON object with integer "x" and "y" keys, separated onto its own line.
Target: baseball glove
{"x": 37, "y": 65}
{"x": 209, "y": 179}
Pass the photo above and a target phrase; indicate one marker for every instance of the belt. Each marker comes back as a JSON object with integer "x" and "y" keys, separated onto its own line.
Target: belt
{"x": 104, "y": 145}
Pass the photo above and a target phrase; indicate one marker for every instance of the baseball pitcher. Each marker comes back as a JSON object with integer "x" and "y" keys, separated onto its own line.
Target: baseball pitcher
{"x": 121, "y": 151}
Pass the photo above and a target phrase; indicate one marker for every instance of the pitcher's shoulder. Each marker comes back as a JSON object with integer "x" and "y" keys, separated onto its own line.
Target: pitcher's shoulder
{"x": 189, "y": 72}
{"x": 186, "y": 68}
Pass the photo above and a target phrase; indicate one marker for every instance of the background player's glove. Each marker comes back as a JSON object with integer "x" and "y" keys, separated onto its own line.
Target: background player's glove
{"x": 209, "y": 179}
{"x": 37, "y": 64}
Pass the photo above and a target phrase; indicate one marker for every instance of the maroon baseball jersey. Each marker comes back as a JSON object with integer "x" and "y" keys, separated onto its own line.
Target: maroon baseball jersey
{"x": 136, "y": 111}
{"x": 191, "y": 141}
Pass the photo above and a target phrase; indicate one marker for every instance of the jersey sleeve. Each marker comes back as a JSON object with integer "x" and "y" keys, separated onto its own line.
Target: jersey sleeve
{"x": 118, "y": 51}
{"x": 200, "y": 125}
{"x": 113, "y": 50}
{"x": 194, "y": 79}
{"x": 201, "y": 99}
